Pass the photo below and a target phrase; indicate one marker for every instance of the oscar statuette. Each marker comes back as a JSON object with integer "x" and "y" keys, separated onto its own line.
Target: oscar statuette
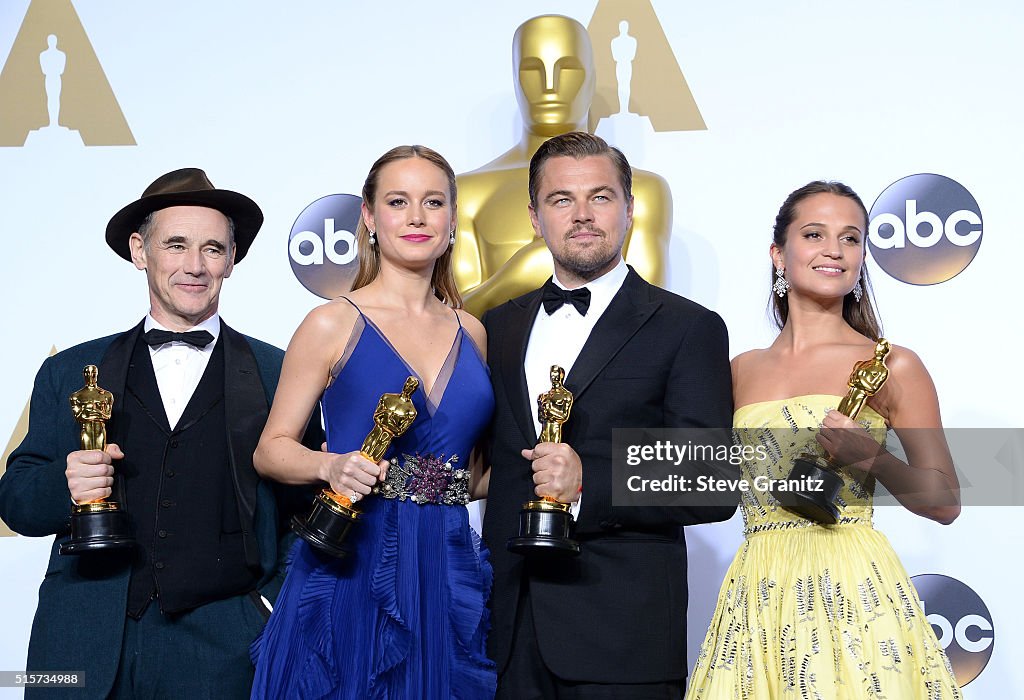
{"x": 865, "y": 381}
{"x": 333, "y": 514}
{"x": 546, "y": 526}
{"x": 101, "y": 523}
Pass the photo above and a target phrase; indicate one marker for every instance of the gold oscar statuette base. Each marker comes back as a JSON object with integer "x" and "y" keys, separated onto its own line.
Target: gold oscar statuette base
{"x": 545, "y": 529}
{"x": 820, "y": 505}
{"x": 327, "y": 525}
{"x": 100, "y": 525}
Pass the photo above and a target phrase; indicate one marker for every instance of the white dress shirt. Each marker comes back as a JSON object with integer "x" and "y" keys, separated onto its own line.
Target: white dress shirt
{"x": 558, "y": 339}
{"x": 179, "y": 366}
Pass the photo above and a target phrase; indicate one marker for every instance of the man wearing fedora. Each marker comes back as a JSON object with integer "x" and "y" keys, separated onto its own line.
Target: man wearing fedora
{"x": 174, "y": 615}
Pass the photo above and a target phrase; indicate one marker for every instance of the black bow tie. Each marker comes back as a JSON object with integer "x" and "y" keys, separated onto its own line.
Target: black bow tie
{"x": 155, "y": 336}
{"x": 554, "y": 297}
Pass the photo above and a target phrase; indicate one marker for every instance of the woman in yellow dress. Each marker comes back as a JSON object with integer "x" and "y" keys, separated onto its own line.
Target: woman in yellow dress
{"x": 827, "y": 612}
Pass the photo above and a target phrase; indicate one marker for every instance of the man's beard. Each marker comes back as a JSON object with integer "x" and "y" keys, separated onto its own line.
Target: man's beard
{"x": 591, "y": 262}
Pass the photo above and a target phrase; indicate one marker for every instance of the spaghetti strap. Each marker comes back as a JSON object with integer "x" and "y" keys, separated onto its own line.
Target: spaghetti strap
{"x": 360, "y": 311}
{"x": 456, "y": 312}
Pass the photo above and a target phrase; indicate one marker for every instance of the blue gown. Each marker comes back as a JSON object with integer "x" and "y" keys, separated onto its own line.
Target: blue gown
{"x": 405, "y": 615}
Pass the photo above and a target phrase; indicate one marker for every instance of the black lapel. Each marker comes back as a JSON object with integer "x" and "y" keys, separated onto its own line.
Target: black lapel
{"x": 113, "y": 376}
{"x": 143, "y": 387}
{"x": 629, "y": 310}
{"x": 522, "y": 312}
{"x": 246, "y": 411}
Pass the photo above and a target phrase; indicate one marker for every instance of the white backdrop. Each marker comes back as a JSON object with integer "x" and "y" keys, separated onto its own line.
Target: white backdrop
{"x": 289, "y": 102}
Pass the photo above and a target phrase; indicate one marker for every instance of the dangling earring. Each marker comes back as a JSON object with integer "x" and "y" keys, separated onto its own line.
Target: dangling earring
{"x": 452, "y": 239}
{"x": 373, "y": 238}
{"x": 858, "y": 292}
{"x": 781, "y": 286}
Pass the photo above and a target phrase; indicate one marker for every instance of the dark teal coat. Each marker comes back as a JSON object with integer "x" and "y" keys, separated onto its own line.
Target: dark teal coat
{"x": 79, "y": 622}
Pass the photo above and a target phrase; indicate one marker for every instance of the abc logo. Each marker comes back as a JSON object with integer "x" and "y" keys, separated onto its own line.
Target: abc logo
{"x": 961, "y": 621}
{"x": 322, "y": 245}
{"x": 924, "y": 229}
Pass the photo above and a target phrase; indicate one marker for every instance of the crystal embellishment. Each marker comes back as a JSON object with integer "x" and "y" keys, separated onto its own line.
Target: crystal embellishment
{"x": 426, "y": 479}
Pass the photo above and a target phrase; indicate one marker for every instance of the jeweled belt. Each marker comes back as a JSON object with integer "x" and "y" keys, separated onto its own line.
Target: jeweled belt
{"x": 426, "y": 479}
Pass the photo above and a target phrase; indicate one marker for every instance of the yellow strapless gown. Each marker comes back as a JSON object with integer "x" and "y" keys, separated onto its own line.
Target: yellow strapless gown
{"x": 809, "y": 611}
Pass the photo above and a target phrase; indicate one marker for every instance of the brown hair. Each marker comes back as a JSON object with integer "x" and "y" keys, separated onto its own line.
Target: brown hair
{"x": 442, "y": 279}
{"x": 578, "y": 145}
{"x": 861, "y": 315}
{"x": 148, "y": 224}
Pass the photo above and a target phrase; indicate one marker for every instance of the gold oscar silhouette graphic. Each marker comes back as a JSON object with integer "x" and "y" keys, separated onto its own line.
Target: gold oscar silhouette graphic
{"x": 102, "y": 523}
{"x": 53, "y": 90}
{"x": 640, "y": 86}
{"x": 545, "y": 526}
{"x": 497, "y": 255}
{"x": 819, "y": 505}
{"x": 333, "y": 514}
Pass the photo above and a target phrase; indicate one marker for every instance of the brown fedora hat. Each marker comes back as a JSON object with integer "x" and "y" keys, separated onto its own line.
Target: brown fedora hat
{"x": 186, "y": 187}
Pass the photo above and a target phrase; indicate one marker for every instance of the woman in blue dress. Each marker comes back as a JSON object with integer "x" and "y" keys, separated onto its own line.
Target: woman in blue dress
{"x": 404, "y": 616}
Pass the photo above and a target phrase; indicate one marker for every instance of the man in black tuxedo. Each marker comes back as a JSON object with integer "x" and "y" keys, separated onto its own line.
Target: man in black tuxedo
{"x": 610, "y": 623}
{"x": 174, "y": 616}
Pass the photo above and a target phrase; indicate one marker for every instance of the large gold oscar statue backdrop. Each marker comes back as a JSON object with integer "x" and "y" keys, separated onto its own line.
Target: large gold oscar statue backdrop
{"x": 497, "y": 256}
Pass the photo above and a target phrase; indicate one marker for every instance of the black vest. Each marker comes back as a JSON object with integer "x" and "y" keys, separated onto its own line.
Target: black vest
{"x": 180, "y": 494}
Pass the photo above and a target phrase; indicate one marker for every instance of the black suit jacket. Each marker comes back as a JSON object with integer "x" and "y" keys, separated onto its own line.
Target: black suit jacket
{"x": 617, "y": 613}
